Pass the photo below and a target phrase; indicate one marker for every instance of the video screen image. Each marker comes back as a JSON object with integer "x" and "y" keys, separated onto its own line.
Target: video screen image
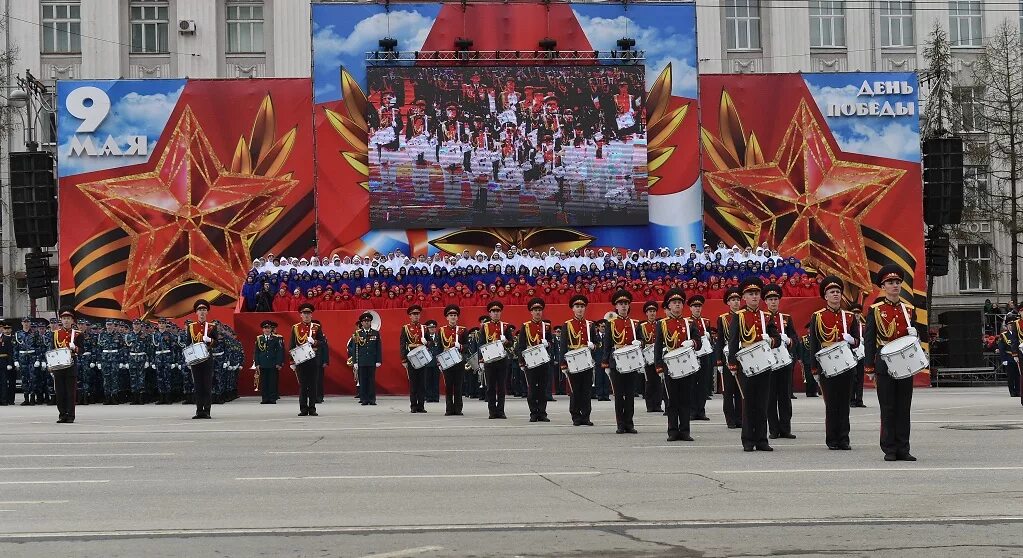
{"x": 507, "y": 146}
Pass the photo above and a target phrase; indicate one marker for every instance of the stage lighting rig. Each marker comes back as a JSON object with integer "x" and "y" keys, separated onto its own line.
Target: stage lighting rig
{"x": 548, "y": 44}
{"x": 462, "y": 44}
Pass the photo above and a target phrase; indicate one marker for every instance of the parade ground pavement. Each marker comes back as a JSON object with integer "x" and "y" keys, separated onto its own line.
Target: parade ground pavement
{"x": 147, "y": 481}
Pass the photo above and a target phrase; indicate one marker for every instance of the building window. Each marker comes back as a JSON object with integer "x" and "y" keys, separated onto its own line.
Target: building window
{"x": 149, "y": 22}
{"x": 976, "y": 186}
{"x": 964, "y": 23}
{"x": 896, "y": 24}
{"x": 742, "y": 24}
{"x": 244, "y": 26}
{"x": 62, "y": 27}
{"x": 975, "y": 267}
{"x": 970, "y": 104}
{"x": 827, "y": 24}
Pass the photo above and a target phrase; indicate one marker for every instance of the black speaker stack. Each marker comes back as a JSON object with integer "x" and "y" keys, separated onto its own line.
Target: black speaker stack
{"x": 963, "y": 331}
{"x": 33, "y": 199}
{"x": 943, "y": 198}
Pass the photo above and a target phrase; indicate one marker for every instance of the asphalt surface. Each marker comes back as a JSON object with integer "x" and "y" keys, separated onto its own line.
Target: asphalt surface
{"x": 377, "y": 481}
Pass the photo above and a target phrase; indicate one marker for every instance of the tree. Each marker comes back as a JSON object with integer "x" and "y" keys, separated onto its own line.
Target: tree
{"x": 998, "y": 72}
{"x": 942, "y": 113}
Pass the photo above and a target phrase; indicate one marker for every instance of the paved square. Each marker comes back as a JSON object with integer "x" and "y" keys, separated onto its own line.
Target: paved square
{"x": 359, "y": 481}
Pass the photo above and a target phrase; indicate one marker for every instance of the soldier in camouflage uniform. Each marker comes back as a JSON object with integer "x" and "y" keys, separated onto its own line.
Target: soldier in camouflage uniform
{"x": 44, "y": 381}
{"x": 124, "y": 360}
{"x": 237, "y": 360}
{"x": 109, "y": 343}
{"x": 26, "y": 344}
{"x": 161, "y": 343}
{"x": 135, "y": 342}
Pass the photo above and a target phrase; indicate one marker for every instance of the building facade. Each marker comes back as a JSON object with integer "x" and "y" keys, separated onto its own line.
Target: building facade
{"x": 97, "y": 39}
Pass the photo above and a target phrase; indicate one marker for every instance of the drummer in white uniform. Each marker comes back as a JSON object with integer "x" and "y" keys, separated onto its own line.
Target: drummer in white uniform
{"x": 828, "y": 326}
{"x": 889, "y": 319}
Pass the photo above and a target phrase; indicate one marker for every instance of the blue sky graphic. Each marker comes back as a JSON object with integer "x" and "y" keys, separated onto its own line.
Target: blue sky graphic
{"x": 885, "y": 136}
{"x": 137, "y": 108}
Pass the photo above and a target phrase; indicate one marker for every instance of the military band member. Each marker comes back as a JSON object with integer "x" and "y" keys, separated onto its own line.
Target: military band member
{"x": 703, "y": 381}
{"x": 202, "y": 331}
{"x": 413, "y": 336}
{"x": 779, "y": 403}
{"x": 536, "y": 332}
{"x": 365, "y": 351}
{"x": 1010, "y": 362}
{"x": 889, "y": 319}
{"x": 750, "y": 325}
{"x": 675, "y": 332}
{"x": 65, "y": 379}
{"x": 301, "y": 333}
{"x": 624, "y": 332}
{"x": 269, "y": 358}
{"x": 653, "y": 392}
{"x": 496, "y": 372}
{"x": 731, "y": 405}
{"x": 431, "y": 372}
{"x": 453, "y": 335}
{"x": 828, "y": 326}
{"x": 578, "y": 334}
{"x": 856, "y": 395}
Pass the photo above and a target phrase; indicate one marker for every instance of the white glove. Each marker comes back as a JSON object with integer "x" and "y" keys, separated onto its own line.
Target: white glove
{"x": 145, "y": 366}
{"x": 98, "y": 365}
{"x": 503, "y": 338}
{"x": 378, "y": 365}
{"x": 458, "y": 345}
{"x": 545, "y": 343}
{"x": 688, "y": 344}
{"x": 848, "y": 338}
{"x": 1004, "y": 363}
{"x": 637, "y": 342}
{"x": 422, "y": 340}
{"x": 206, "y": 339}
{"x": 912, "y": 331}
{"x": 45, "y": 366}
{"x": 37, "y": 364}
{"x": 785, "y": 339}
{"x": 225, "y": 366}
{"x": 73, "y": 347}
{"x": 92, "y": 365}
{"x": 590, "y": 345}
{"x": 10, "y": 367}
{"x": 765, "y": 337}
{"x": 17, "y": 365}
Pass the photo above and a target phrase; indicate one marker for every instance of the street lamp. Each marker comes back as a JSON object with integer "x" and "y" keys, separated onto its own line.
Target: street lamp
{"x": 31, "y": 89}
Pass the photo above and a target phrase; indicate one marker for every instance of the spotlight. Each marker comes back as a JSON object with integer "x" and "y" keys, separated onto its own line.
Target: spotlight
{"x": 548, "y": 43}
{"x": 626, "y": 43}
{"x": 463, "y": 44}
{"x": 388, "y": 44}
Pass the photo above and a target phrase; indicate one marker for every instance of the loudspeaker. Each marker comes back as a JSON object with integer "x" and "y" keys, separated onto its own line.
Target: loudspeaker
{"x": 943, "y": 181}
{"x": 33, "y": 199}
{"x": 37, "y": 275}
{"x": 964, "y": 330}
{"x": 936, "y": 252}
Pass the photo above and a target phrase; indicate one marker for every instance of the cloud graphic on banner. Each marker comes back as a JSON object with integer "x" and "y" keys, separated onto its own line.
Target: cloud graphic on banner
{"x": 882, "y": 136}
{"x": 660, "y": 47}
{"x": 132, "y": 115}
{"x": 409, "y": 27}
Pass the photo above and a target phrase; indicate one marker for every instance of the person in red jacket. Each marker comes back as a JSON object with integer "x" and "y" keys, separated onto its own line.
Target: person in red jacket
{"x": 295, "y": 300}
{"x": 282, "y": 300}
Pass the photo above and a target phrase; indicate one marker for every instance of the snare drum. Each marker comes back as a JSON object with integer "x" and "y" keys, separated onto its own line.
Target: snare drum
{"x": 628, "y": 359}
{"x": 835, "y": 359}
{"x": 782, "y": 357}
{"x": 449, "y": 358}
{"x": 579, "y": 360}
{"x": 58, "y": 359}
{"x": 196, "y": 353}
{"x": 648, "y": 354}
{"x": 681, "y": 362}
{"x": 536, "y": 356}
{"x": 705, "y": 346}
{"x": 756, "y": 358}
{"x": 859, "y": 352}
{"x": 904, "y": 357}
{"x": 493, "y": 352}
{"x": 302, "y": 353}
{"x": 419, "y": 357}
{"x": 625, "y": 121}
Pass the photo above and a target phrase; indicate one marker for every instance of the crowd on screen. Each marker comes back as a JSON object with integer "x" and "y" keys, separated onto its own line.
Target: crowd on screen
{"x": 511, "y": 275}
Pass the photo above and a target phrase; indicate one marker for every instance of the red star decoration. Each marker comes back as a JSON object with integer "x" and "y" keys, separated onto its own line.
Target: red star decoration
{"x": 808, "y": 202}
{"x": 189, "y": 218}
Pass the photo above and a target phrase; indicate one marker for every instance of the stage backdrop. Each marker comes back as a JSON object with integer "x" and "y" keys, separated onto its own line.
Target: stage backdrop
{"x": 831, "y": 174}
{"x": 343, "y": 33}
{"x": 168, "y": 187}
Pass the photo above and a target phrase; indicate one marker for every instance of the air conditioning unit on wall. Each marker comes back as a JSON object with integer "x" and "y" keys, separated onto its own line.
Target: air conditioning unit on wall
{"x": 186, "y": 27}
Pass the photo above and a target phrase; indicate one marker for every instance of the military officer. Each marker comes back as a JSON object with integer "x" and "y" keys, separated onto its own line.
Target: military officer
{"x": 136, "y": 341}
{"x": 26, "y": 345}
{"x": 431, "y": 375}
{"x": 7, "y": 371}
{"x": 889, "y": 319}
{"x": 202, "y": 331}
{"x": 365, "y": 351}
{"x": 779, "y": 403}
{"x": 322, "y": 361}
{"x": 856, "y": 396}
{"x": 162, "y": 348}
{"x": 731, "y": 405}
{"x": 187, "y": 382}
{"x": 269, "y": 358}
